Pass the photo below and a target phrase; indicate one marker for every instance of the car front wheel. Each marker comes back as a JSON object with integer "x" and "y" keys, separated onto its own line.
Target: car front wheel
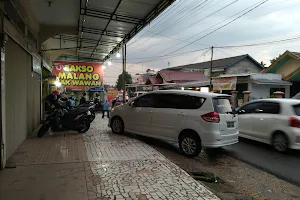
{"x": 117, "y": 125}
{"x": 190, "y": 145}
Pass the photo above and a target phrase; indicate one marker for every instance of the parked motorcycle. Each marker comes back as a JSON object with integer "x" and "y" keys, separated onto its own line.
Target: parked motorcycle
{"x": 61, "y": 119}
{"x": 91, "y": 106}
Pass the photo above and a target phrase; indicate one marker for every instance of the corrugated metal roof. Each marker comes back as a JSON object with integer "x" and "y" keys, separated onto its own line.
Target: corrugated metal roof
{"x": 296, "y": 54}
{"x": 235, "y": 75}
{"x": 220, "y": 63}
{"x": 171, "y": 75}
{"x": 271, "y": 82}
{"x": 154, "y": 80}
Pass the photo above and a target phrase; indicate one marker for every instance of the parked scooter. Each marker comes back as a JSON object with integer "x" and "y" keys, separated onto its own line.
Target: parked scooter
{"x": 61, "y": 119}
{"x": 91, "y": 106}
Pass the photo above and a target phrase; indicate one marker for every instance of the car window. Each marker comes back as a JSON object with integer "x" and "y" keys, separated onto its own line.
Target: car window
{"x": 144, "y": 101}
{"x": 297, "y": 109}
{"x": 249, "y": 108}
{"x": 222, "y": 105}
{"x": 270, "y": 108}
{"x": 177, "y": 101}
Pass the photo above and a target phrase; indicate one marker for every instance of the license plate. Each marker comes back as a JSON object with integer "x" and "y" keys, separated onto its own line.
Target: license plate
{"x": 230, "y": 124}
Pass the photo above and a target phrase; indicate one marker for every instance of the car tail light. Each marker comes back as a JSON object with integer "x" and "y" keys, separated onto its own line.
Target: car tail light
{"x": 212, "y": 117}
{"x": 294, "y": 122}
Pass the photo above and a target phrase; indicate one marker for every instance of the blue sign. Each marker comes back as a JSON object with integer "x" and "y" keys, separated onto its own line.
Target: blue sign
{"x": 96, "y": 89}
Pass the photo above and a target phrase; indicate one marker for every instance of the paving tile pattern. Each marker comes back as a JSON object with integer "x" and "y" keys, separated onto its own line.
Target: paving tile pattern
{"x": 50, "y": 150}
{"x": 44, "y": 182}
{"x": 97, "y": 165}
{"x": 124, "y": 168}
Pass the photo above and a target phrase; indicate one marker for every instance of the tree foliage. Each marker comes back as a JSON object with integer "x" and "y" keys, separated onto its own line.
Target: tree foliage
{"x": 274, "y": 59}
{"x": 263, "y": 64}
{"x": 128, "y": 80}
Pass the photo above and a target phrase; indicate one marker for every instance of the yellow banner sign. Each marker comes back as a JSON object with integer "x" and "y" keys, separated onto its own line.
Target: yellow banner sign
{"x": 228, "y": 83}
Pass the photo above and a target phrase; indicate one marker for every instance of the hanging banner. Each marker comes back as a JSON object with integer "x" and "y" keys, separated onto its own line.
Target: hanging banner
{"x": 111, "y": 94}
{"x": 228, "y": 83}
{"x": 78, "y": 76}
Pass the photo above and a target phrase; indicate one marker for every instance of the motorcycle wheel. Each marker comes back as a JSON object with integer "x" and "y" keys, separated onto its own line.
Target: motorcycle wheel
{"x": 84, "y": 128}
{"x": 43, "y": 130}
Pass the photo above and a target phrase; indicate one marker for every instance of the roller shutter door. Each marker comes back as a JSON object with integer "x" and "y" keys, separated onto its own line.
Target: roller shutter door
{"x": 33, "y": 102}
{"x": 17, "y": 69}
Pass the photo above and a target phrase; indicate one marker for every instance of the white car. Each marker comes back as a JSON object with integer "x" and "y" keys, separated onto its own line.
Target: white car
{"x": 194, "y": 119}
{"x": 272, "y": 121}
{"x": 137, "y": 94}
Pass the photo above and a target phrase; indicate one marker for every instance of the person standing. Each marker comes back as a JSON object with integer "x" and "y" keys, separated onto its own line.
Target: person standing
{"x": 105, "y": 109}
{"x": 83, "y": 99}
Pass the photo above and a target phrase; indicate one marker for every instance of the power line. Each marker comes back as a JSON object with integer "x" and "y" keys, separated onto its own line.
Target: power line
{"x": 197, "y": 57}
{"x": 193, "y": 24}
{"x": 176, "y": 21}
{"x": 173, "y": 19}
{"x": 220, "y": 27}
{"x": 213, "y": 30}
{"x": 261, "y": 44}
{"x": 200, "y": 21}
{"x": 185, "y": 28}
{"x": 272, "y": 12}
{"x": 157, "y": 24}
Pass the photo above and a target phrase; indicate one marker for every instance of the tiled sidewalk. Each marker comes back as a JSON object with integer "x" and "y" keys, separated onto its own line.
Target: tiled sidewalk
{"x": 95, "y": 165}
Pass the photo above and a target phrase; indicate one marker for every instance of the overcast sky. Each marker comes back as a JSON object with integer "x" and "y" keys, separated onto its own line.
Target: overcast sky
{"x": 186, "y": 21}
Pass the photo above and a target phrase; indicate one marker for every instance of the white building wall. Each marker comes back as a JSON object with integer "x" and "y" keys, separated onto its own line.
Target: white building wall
{"x": 263, "y": 91}
{"x": 244, "y": 66}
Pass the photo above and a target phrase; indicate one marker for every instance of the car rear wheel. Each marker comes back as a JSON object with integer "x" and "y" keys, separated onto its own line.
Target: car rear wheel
{"x": 117, "y": 125}
{"x": 190, "y": 145}
{"x": 280, "y": 142}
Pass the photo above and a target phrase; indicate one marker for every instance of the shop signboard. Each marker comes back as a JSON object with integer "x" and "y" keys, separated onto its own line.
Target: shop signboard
{"x": 96, "y": 89}
{"x": 226, "y": 83}
{"x": 78, "y": 76}
{"x": 111, "y": 94}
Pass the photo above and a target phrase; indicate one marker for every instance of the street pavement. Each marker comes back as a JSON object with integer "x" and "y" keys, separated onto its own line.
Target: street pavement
{"x": 97, "y": 165}
{"x": 284, "y": 166}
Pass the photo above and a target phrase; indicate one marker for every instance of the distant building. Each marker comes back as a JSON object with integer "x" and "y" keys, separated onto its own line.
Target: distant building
{"x": 288, "y": 65}
{"x": 174, "y": 77}
{"x": 232, "y": 65}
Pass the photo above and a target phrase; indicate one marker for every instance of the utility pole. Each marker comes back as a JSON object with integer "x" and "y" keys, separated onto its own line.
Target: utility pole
{"x": 211, "y": 67}
{"x": 124, "y": 71}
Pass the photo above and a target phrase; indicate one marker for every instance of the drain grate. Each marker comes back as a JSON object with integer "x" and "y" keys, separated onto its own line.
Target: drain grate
{"x": 206, "y": 177}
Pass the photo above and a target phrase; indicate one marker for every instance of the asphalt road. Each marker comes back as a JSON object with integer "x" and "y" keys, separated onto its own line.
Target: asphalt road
{"x": 284, "y": 166}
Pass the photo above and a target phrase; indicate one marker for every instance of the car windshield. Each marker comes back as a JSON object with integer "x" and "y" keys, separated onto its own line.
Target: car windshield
{"x": 222, "y": 105}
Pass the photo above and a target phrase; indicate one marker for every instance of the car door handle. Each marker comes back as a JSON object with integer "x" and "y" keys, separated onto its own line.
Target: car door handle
{"x": 150, "y": 111}
{"x": 181, "y": 114}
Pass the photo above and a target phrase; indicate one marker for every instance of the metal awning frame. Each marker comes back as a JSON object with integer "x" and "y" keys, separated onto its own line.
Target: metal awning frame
{"x": 115, "y": 16}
